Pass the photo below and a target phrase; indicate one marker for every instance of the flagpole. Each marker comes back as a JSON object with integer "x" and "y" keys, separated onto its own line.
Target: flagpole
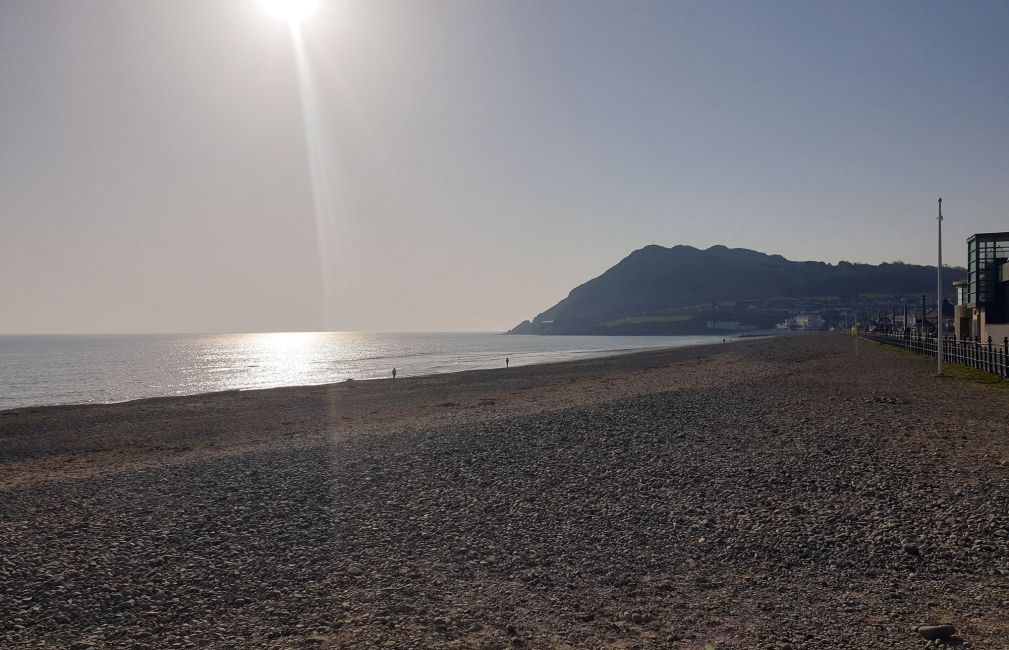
{"x": 938, "y": 290}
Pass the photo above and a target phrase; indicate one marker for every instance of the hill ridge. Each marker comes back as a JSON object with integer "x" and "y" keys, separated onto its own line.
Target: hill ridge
{"x": 675, "y": 283}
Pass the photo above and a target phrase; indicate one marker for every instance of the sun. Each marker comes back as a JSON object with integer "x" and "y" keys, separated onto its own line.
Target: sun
{"x": 293, "y": 12}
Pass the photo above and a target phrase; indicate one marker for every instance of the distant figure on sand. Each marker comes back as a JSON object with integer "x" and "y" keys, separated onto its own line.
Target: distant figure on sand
{"x": 393, "y": 373}
{"x": 506, "y": 362}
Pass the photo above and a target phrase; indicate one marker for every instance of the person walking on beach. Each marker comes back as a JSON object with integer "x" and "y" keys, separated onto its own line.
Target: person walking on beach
{"x": 393, "y": 373}
{"x": 506, "y": 362}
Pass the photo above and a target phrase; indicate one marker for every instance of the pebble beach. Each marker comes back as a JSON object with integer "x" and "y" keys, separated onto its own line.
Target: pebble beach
{"x": 786, "y": 492}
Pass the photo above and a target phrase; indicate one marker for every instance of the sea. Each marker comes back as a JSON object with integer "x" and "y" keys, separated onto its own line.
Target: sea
{"x": 81, "y": 369}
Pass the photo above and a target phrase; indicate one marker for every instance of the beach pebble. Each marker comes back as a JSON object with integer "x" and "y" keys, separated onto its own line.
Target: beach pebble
{"x": 934, "y": 632}
{"x": 559, "y": 522}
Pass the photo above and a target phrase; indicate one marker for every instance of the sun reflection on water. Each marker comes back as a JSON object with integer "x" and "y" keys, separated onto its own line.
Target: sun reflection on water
{"x": 292, "y": 358}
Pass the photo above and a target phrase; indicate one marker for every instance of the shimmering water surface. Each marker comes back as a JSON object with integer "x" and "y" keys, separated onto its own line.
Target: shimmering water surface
{"x": 38, "y": 370}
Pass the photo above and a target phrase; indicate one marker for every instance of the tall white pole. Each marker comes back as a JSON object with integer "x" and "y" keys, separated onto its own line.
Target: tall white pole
{"x": 938, "y": 291}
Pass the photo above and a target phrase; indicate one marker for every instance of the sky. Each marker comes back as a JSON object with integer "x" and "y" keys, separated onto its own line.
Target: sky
{"x": 449, "y": 165}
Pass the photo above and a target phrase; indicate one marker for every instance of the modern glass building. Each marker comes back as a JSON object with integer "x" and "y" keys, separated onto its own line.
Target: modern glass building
{"x": 986, "y": 257}
{"x": 985, "y": 299}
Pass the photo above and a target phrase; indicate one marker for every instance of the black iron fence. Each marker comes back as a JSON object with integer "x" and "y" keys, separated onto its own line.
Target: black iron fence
{"x": 990, "y": 356}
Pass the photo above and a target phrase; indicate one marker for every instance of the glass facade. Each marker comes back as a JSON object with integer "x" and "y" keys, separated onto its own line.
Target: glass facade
{"x": 986, "y": 253}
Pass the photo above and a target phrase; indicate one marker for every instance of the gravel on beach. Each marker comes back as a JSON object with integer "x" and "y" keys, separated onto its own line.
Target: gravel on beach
{"x": 790, "y": 492}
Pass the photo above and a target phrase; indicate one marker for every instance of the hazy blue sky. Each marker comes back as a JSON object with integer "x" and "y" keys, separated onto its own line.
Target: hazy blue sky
{"x": 482, "y": 158}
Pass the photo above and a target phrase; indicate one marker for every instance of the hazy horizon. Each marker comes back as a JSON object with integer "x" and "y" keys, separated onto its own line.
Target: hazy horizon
{"x": 474, "y": 161}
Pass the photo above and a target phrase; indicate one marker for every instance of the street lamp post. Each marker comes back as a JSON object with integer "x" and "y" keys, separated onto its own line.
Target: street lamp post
{"x": 938, "y": 291}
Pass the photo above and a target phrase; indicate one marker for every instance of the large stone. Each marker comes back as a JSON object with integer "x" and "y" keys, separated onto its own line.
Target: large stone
{"x": 933, "y": 632}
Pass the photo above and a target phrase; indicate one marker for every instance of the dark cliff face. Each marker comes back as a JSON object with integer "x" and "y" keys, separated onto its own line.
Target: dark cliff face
{"x": 656, "y": 280}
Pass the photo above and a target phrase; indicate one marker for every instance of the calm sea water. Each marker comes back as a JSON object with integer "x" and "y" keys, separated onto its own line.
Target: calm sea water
{"x": 37, "y": 370}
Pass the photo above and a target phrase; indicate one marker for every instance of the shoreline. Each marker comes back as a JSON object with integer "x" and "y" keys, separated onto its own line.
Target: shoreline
{"x": 605, "y": 355}
{"x": 581, "y": 356}
{"x": 80, "y": 439}
{"x": 778, "y": 493}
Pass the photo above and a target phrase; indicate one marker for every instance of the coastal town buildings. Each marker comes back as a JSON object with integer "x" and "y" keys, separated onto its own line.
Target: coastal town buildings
{"x": 948, "y": 314}
{"x": 803, "y": 322}
{"x": 729, "y": 325}
{"x": 982, "y": 308}
{"x": 901, "y": 323}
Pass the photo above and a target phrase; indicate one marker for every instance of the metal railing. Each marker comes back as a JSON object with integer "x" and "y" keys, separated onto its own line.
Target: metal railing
{"x": 988, "y": 356}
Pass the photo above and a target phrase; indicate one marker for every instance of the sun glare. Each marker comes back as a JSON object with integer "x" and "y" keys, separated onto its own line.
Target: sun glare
{"x": 293, "y": 12}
